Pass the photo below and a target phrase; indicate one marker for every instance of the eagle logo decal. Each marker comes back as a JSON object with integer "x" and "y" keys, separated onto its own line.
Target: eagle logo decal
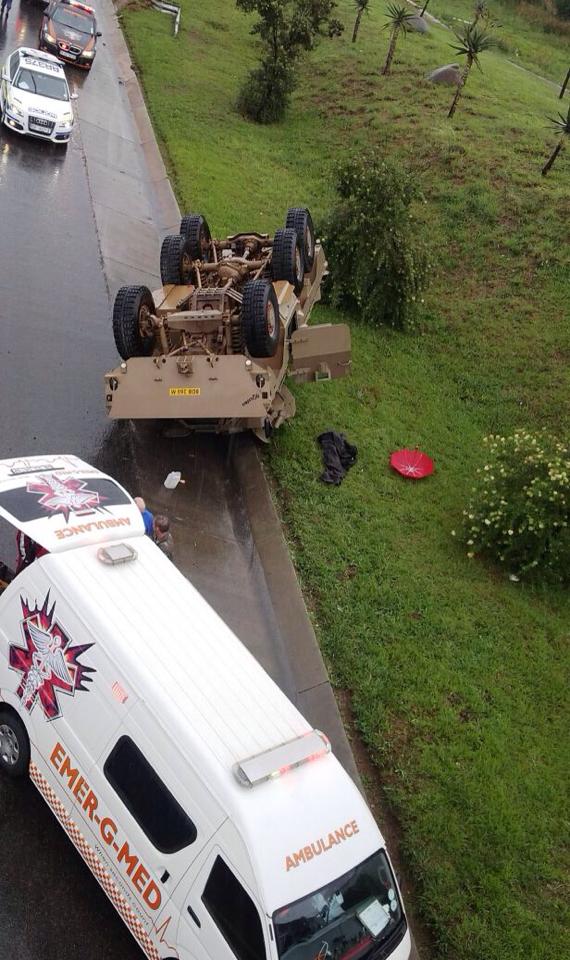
{"x": 48, "y": 662}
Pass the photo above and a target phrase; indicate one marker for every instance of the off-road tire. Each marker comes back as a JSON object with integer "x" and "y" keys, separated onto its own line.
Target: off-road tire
{"x": 197, "y": 232}
{"x": 175, "y": 260}
{"x": 14, "y": 744}
{"x": 131, "y": 324}
{"x": 260, "y": 318}
{"x": 299, "y": 219}
{"x": 287, "y": 258}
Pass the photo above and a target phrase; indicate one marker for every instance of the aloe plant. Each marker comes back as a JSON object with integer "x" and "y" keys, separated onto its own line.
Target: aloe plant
{"x": 398, "y": 22}
{"x": 562, "y": 125}
{"x": 473, "y": 40}
{"x": 361, "y": 7}
{"x": 564, "y": 85}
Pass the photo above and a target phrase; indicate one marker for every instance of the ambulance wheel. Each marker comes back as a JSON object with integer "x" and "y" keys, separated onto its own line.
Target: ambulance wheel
{"x": 14, "y": 744}
{"x": 197, "y": 232}
{"x": 175, "y": 260}
{"x": 260, "y": 318}
{"x": 132, "y": 322}
{"x": 287, "y": 258}
{"x": 299, "y": 219}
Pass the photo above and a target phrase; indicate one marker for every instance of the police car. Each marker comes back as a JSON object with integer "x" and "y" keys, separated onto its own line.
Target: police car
{"x": 69, "y": 31}
{"x": 35, "y": 97}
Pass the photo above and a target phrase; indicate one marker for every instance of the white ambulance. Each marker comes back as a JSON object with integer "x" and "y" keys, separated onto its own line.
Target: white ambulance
{"x": 215, "y": 818}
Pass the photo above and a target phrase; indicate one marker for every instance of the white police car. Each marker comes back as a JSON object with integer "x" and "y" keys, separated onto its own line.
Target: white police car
{"x": 35, "y": 97}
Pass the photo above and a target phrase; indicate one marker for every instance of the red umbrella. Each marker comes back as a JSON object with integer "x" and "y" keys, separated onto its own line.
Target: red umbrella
{"x": 412, "y": 463}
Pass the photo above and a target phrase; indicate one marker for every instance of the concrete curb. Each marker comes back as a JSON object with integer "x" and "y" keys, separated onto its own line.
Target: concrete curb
{"x": 314, "y": 694}
{"x": 132, "y": 198}
{"x": 167, "y": 213}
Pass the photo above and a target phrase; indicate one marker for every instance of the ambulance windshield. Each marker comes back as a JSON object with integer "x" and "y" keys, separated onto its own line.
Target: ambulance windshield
{"x": 355, "y": 917}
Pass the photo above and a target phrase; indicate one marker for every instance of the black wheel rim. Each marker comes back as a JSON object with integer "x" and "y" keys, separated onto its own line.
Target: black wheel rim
{"x": 9, "y": 746}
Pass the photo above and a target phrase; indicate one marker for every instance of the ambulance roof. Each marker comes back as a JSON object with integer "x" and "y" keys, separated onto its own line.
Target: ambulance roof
{"x": 63, "y": 503}
{"x": 219, "y": 707}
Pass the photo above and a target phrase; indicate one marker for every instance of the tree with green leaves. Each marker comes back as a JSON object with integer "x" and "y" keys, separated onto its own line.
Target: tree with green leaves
{"x": 361, "y": 7}
{"x": 564, "y": 85}
{"x": 398, "y": 22}
{"x": 286, "y": 29}
{"x": 375, "y": 242}
{"x": 473, "y": 41}
{"x": 562, "y": 126}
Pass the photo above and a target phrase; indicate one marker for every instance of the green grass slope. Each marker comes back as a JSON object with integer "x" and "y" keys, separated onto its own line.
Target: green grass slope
{"x": 458, "y": 676}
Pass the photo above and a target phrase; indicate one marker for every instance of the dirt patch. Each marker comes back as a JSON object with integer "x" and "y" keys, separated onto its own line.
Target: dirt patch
{"x": 131, "y": 5}
{"x": 372, "y": 781}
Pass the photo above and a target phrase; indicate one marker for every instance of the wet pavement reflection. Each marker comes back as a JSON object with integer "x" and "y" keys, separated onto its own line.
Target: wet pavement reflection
{"x": 55, "y": 344}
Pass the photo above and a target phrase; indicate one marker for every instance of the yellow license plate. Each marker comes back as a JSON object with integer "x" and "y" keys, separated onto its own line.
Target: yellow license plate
{"x": 184, "y": 392}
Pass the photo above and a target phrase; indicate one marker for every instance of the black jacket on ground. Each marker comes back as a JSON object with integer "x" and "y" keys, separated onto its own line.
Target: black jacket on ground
{"x": 338, "y": 456}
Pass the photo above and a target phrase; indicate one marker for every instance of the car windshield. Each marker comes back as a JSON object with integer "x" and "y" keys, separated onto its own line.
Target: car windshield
{"x": 41, "y": 83}
{"x": 77, "y": 21}
{"x": 353, "y": 917}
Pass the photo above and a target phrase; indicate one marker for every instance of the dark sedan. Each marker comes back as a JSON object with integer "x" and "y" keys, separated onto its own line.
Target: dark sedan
{"x": 69, "y": 31}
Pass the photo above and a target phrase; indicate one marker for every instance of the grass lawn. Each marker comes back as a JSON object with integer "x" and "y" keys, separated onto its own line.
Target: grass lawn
{"x": 458, "y": 677}
{"x": 528, "y": 34}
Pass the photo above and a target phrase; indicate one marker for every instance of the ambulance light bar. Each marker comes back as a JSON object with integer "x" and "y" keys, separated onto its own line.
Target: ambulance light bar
{"x": 115, "y": 553}
{"x": 279, "y": 760}
{"x": 40, "y": 468}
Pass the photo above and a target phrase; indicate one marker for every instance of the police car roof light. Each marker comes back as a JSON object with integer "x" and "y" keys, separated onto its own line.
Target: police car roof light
{"x": 80, "y": 6}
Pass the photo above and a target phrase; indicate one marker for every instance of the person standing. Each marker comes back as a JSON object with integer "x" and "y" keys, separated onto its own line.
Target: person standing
{"x": 163, "y": 536}
{"x": 6, "y": 6}
{"x": 146, "y": 515}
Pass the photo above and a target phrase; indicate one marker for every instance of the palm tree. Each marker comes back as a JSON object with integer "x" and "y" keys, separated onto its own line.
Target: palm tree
{"x": 564, "y": 85}
{"x": 398, "y": 21}
{"x": 361, "y": 6}
{"x": 563, "y": 126}
{"x": 473, "y": 40}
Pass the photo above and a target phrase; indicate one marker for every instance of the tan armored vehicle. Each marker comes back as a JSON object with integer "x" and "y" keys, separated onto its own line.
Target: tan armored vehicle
{"x": 212, "y": 347}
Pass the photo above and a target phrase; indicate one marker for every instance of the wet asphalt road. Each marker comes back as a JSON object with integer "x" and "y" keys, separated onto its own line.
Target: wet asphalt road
{"x": 55, "y": 343}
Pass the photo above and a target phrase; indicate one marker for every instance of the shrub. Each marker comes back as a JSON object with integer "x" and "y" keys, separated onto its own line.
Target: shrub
{"x": 563, "y": 8}
{"x": 264, "y": 95}
{"x": 519, "y": 514}
{"x": 377, "y": 260}
{"x": 286, "y": 29}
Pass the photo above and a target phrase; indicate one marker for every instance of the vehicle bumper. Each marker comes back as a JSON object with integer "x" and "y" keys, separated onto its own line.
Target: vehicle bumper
{"x": 79, "y": 60}
{"x": 154, "y": 388}
{"x": 20, "y": 125}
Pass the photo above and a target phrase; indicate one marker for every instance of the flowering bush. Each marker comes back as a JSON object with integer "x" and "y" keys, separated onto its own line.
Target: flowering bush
{"x": 519, "y": 513}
